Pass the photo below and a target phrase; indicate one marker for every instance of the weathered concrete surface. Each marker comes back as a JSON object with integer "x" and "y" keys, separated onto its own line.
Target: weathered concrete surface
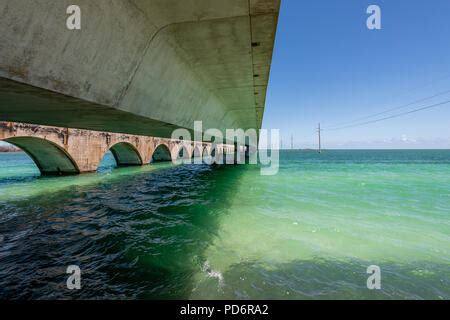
{"x": 70, "y": 151}
{"x": 137, "y": 66}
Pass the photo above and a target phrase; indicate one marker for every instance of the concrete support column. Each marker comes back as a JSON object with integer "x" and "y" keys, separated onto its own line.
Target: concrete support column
{"x": 239, "y": 155}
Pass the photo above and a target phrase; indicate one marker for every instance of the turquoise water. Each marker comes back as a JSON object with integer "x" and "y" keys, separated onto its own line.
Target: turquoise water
{"x": 226, "y": 232}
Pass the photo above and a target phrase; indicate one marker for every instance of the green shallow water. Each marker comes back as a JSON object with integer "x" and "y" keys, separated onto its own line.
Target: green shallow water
{"x": 201, "y": 232}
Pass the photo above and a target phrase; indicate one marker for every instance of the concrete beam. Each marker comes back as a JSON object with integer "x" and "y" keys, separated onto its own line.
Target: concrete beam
{"x": 137, "y": 66}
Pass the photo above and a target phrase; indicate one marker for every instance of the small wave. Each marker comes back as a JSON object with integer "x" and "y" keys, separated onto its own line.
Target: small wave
{"x": 206, "y": 268}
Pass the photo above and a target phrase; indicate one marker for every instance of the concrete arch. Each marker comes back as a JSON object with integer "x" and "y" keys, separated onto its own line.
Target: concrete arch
{"x": 198, "y": 152}
{"x": 220, "y": 154}
{"x": 161, "y": 153}
{"x": 50, "y": 158}
{"x": 209, "y": 155}
{"x": 182, "y": 153}
{"x": 211, "y": 151}
{"x": 126, "y": 154}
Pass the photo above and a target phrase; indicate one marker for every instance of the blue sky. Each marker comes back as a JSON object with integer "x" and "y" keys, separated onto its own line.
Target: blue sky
{"x": 328, "y": 67}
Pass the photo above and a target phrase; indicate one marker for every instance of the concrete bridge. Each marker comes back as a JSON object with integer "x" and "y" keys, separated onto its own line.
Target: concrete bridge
{"x": 142, "y": 67}
{"x": 64, "y": 151}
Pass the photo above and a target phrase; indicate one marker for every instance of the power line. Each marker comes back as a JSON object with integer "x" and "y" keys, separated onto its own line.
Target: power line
{"x": 392, "y": 116}
{"x": 400, "y": 107}
{"x": 387, "y": 111}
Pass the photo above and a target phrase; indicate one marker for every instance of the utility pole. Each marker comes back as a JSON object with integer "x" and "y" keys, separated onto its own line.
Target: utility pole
{"x": 292, "y": 142}
{"x": 319, "y": 131}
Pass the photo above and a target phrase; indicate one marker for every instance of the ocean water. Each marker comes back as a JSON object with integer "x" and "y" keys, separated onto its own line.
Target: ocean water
{"x": 226, "y": 232}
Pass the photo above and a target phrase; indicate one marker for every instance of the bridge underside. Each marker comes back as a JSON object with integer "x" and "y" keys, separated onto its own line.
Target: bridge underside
{"x": 27, "y": 104}
{"x": 137, "y": 66}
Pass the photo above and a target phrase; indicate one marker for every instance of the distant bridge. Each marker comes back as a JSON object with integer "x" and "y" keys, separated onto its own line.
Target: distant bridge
{"x": 65, "y": 151}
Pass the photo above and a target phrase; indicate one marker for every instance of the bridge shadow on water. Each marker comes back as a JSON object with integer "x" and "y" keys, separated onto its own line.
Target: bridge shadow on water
{"x": 141, "y": 236}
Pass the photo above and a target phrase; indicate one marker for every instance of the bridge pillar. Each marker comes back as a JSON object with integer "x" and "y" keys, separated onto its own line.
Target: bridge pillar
{"x": 64, "y": 151}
